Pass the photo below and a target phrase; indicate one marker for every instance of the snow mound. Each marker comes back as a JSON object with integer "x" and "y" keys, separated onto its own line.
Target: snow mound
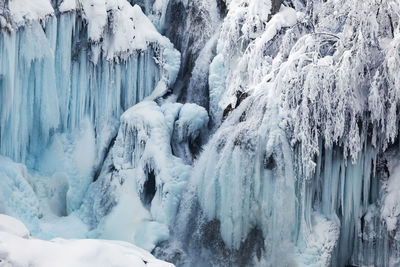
{"x": 13, "y": 226}
{"x": 192, "y": 118}
{"x": 28, "y": 10}
{"x": 62, "y": 252}
{"x": 120, "y": 27}
{"x": 188, "y": 132}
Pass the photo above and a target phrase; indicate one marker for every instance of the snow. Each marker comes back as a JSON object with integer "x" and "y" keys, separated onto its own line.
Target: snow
{"x": 62, "y": 252}
{"x": 95, "y": 13}
{"x": 192, "y": 118}
{"x": 231, "y": 68}
{"x": 13, "y": 226}
{"x": 119, "y": 27}
{"x": 131, "y": 30}
{"x": 189, "y": 131}
{"x": 286, "y": 17}
{"x": 28, "y": 10}
{"x": 67, "y": 5}
{"x": 216, "y": 80}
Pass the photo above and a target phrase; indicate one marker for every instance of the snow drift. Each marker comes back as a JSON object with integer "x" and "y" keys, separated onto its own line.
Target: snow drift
{"x": 17, "y": 248}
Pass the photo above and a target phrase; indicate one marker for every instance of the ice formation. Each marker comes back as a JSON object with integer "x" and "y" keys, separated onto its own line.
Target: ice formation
{"x": 269, "y": 139}
{"x": 146, "y": 178}
{"x": 59, "y": 82}
{"x": 67, "y": 74}
{"x": 307, "y": 106}
{"x": 50, "y": 64}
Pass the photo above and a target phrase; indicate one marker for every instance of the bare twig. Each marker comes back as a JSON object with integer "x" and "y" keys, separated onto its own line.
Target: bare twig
{"x": 326, "y": 33}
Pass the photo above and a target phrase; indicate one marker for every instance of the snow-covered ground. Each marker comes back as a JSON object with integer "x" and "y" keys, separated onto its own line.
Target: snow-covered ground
{"x": 17, "y": 248}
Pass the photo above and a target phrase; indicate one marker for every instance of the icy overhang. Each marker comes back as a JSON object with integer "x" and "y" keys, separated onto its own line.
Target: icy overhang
{"x": 119, "y": 28}
{"x": 22, "y": 11}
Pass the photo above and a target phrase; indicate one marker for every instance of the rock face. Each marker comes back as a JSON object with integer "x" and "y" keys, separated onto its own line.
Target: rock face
{"x": 275, "y": 6}
{"x": 209, "y": 132}
{"x": 4, "y": 4}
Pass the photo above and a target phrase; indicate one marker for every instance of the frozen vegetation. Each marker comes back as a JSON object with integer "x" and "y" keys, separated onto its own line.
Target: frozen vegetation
{"x": 207, "y": 132}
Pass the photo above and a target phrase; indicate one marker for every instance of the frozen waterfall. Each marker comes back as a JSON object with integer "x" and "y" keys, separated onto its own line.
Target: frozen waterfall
{"x": 206, "y": 132}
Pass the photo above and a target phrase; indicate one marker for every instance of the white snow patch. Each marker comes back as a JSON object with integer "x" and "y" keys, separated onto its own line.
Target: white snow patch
{"x": 67, "y": 5}
{"x": 18, "y": 251}
{"x": 130, "y": 29}
{"x": 192, "y": 118}
{"x": 13, "y": 226}
{"x": 286, "y": 17}
{"x": 118, "y": 26}
{"x": 22, "y": 10}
